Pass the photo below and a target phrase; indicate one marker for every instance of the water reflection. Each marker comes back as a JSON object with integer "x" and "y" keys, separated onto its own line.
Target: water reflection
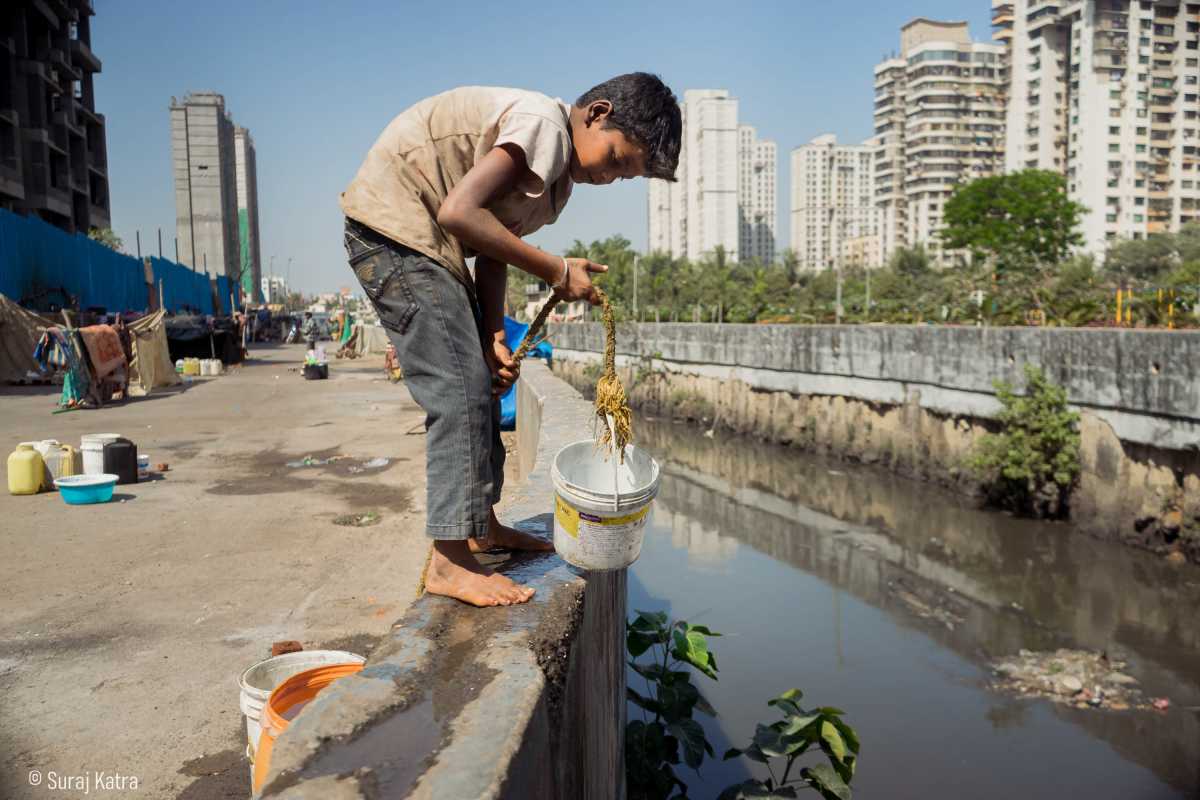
{"x": 980, "y": 585}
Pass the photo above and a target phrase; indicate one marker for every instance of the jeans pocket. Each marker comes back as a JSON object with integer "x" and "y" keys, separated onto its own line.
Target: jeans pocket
{"x": 382, "y": 277}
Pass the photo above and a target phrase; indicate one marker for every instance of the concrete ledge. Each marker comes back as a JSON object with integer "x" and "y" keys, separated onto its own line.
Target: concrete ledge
{"x": 522, "y": 702}
{"x": 1144, "y": 384}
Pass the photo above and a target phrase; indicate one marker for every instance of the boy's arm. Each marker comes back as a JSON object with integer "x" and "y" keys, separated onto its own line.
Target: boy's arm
{"x": 491, "y": 280}
{"x": 464, "y": 214}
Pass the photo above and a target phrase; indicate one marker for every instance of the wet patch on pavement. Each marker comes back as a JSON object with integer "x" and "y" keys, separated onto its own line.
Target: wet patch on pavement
{"x": 219, "y": 776}
{"x": 329, "y": 470}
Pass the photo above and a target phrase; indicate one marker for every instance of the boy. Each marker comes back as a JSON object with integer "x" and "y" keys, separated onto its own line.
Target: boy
{"x": 467, "y": 173}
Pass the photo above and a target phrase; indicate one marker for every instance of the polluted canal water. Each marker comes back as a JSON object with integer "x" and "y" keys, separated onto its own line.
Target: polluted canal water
{"x": 893, "y": 600}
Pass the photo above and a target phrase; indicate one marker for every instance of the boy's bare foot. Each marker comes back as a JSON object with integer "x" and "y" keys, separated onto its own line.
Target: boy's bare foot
{"x": 454, "y": 572}
{"x": 502, "y": 537}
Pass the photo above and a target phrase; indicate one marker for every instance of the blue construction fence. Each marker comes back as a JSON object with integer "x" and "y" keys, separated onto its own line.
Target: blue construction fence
{"x": 40, "y": 263}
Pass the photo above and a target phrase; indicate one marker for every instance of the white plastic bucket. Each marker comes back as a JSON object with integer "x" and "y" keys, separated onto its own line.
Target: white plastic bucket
{"x": 258, "y": 681}
{"x": 92, "y": 448}
{"x": 599, "y": 516}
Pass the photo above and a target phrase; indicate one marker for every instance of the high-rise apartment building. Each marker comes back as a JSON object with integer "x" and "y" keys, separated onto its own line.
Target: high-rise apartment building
{"x": 834, "y": 218}
{"x": 206, "y": 201}
{"x": 274, "y": 289}
{"x": 757, "y": 169}
{"x": 53, "y": 152}
{"x": 1106, "y": 93}
{"x": 939, "y": 119}
{"x": 716, "y": 201}
{"x": 710, "y": 118}
{"x": 249, "y": 255}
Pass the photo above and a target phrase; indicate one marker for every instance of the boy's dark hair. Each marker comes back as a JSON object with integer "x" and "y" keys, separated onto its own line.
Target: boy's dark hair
{"x": 647, "y": 112}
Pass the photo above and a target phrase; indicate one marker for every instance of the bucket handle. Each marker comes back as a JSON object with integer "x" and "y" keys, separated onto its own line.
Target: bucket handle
{"x": 612, "y": 431}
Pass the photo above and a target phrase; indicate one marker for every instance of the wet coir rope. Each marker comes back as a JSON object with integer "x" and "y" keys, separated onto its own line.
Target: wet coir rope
{"x": 610, "y": 394}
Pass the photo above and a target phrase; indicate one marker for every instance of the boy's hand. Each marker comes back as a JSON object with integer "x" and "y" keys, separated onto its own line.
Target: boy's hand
{"x": 578, "y": 285}
{"x": 499, "y": 359}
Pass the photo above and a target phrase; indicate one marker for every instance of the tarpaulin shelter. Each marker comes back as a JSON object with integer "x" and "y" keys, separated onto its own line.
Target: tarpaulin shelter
{"x": 151, "y": 367}
{"x": 19, "y": 334}
{"x": 204, "y": 337}
{"x": 370, "y": 339}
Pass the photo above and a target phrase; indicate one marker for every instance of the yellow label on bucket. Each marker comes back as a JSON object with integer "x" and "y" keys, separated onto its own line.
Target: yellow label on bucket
{"x": 625, "y": 520}
{"x": 567, "y": 517}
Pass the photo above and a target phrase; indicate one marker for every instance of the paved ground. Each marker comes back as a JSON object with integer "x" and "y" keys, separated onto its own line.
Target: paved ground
{"x": 123, "y": 627}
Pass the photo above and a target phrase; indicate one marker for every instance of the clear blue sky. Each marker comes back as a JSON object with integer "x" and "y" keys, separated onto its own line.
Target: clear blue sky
{"x": 315, "y": 85}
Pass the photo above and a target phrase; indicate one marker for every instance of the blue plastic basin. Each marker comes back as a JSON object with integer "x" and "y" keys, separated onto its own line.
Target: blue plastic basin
{"x": 82, "y": 490}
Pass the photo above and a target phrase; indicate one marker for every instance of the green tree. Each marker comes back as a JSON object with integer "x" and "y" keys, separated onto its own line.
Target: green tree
{"x": 108, "y": 238}
{"x": 910, "y": 261}
{"x": 790, "y": 263}
{"x": 1142, "y": 259}
{"x": 1022, "y": 220}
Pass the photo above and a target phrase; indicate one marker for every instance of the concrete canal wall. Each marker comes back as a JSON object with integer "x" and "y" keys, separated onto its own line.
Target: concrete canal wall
{"x": 506, "y": 703}
{"x": 917, "y": 398}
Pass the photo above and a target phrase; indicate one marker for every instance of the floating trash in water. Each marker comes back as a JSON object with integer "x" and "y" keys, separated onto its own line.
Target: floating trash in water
{"x": 1073, "y": 677}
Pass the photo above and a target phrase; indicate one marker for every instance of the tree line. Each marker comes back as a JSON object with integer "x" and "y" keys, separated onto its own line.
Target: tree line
{"x": 1014, "y": 236}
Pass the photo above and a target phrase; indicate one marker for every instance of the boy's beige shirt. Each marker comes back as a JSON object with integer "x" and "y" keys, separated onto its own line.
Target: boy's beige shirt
{"x": 426, "y": 150}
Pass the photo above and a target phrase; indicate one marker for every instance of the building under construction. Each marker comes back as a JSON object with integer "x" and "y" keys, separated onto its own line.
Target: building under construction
{"x": 53, "y": 159}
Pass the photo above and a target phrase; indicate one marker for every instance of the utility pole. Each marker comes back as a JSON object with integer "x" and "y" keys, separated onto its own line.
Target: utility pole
{"x": 868, "y": 271}
{"x": 838, "y": 306}
{"x": 635, "y": 283}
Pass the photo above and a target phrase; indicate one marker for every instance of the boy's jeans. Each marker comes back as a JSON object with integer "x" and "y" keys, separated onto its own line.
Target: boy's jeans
{"x": 437, "y": 330}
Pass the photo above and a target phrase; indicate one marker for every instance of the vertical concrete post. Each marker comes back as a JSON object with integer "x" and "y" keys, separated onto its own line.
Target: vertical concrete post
{"x": 592, "y": 755}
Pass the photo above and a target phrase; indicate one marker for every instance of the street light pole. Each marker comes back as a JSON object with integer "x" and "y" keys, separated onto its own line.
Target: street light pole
{"x": 868, "y": 310}
{"x": 635, "y": 283}
{"x": 838, "y": 262}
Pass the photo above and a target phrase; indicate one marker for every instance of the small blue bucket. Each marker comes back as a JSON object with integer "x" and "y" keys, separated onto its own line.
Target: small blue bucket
{"x": 82, "y": 490}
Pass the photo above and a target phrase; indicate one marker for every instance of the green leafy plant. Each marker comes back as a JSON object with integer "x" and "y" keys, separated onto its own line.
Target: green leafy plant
{"x": 1031, "y": 465}
{"x": 108, "y": 238}
{"x": 654, "y": 743}
{"x": 798, "y": 733}
{"x": 820, "y": 730}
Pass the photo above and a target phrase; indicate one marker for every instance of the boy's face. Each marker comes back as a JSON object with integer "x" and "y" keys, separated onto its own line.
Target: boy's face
{"x": 602, "y": 155}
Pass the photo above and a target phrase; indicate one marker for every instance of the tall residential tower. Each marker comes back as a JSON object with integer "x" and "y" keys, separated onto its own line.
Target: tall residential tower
{"x": 724, "y": 194}
{"x": 939, "y": 120}
{"x": 206, "y": 202}
{"x": 834, "y": 219}
{"x": 757, "y": 167}
{"x": 249, "y": 256}
{"x": 1105, "y": 92}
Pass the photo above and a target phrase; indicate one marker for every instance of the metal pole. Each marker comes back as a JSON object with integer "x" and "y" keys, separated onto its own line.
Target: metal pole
{"x": 838, "y": 309}
{"x": 868, "y": 294}
{"x": 160, "y": 242}
{"x": 635, "y": 282}
{"x": 138, "y": 234}
{"x": 177, "y": 250}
